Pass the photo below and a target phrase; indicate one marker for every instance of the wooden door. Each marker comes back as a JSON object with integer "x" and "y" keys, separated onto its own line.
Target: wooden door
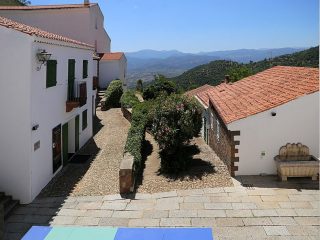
{"x": 65, "y": 140}
{"x": 56, "y": 148}
{"x": 77, "y": 133}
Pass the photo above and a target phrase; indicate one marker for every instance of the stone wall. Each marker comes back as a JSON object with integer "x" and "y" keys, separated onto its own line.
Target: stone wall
{"x": 1, "y": 221}
{"x": 126, "y": 174}
{"x": 127, "y": 112}
{"x": 221, "y": 140}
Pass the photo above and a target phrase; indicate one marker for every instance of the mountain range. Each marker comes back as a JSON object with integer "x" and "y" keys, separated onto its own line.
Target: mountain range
{"x": 214, "y": 72}
{"x": 145, "y": 64}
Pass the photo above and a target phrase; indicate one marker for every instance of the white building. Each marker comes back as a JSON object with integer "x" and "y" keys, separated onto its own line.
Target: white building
{"x": 113, "y": 66}
{"x": 252, "y": 118}
{"x": 83, "y": 22}
{"x": 46, "y": 108}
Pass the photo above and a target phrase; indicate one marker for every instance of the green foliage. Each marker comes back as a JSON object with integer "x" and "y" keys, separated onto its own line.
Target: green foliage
{"x": 214, "y": 72}
{"x": 14, "y": 2}
{"x": 237, "y": 73}
{"x": 113, "y": 94}
{"x": 161, "y": 85}
{"x": 129, "y": 99}
{"x": 139, "y": 86}
{"x": 141, "y": 119}
{"x": 177, "y": 119}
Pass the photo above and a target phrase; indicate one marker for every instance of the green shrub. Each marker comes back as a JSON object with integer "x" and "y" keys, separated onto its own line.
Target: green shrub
{"x": 139, "y": 86}
{"x": 129, "y": 99}
{"x": 140, "y": 120}
{"x": 160, "y": 86}
{"x": 113, "y": 94}
{"x": 176, "y": 120}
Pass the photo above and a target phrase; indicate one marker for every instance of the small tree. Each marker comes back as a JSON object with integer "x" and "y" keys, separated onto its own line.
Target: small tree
{"x": 113, "y": 94}
{"x": 139, "y": 86}
{"x": 24, "y": 2}
{"x": 160, "y": 86}
{"x": 177, "y": 119}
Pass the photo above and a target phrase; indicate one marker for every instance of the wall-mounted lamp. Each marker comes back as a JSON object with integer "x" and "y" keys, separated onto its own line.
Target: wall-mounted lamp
{"x": 35, "y": 127}
{"x": 43, "y": 57}
{"x": 273, "y": 114}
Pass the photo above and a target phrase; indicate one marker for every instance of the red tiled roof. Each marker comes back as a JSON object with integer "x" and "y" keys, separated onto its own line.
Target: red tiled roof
{"x": 111, "y": 56}
{"x": 201, "y": 93}
{"x": 263, "y": 91}
{"x": 5, "y": 22}
{"x": 45, "y": 7}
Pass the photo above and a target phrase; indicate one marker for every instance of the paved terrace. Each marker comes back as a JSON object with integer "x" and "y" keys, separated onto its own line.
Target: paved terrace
{"x": 266, "y": 209}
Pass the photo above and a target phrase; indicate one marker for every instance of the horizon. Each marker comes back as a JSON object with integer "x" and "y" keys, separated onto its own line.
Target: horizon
{"x": 223, "y": 50}
{"x": 207, "y": 25}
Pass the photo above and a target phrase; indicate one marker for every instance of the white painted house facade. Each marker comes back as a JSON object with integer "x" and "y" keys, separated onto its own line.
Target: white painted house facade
{"x": 82, "y": 22}
{"x": 47, "y": 111}
{"x": 252, "y": 118}
{"x": 113, "y": 66}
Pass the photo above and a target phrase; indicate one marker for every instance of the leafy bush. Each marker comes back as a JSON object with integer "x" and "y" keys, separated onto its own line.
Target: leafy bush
{"x": 177, "y": 119}
{"x": 139, "y": 86}
{"x": 129, "y": 99}
{"x": 160, "y": 86}
{"x": 113, "y": 94}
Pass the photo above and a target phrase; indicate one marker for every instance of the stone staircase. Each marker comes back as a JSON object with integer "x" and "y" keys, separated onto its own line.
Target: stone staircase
{"x": 8, "y": 204}
{"x": 100, "y": 99}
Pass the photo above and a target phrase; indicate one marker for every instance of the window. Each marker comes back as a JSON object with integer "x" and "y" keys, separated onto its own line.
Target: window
{"x": 218, "y": 130}
{"x": 84, "y": 119}
{"x": 51, "y": 79}
{"x": 85, "y": 69}
{"x": 96, "y": 23}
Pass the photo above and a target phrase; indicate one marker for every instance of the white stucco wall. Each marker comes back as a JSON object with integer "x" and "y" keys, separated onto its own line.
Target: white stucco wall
{"x": 49, "y": 108}
{"x": 15, "y": 127}
{"x": 111, "y": 70}
{"x": 76, "y": 23}
{"x": 296, "y": 121}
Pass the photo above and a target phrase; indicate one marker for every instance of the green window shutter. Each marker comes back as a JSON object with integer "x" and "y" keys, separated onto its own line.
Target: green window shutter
{"x": 51, "y": 73}
{"x": 84, "y": 119}
{"x": 85, "y": 69}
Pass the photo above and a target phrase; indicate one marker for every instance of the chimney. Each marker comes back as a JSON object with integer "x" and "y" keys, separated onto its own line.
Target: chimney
{"x": 86, "y": 2}
{"x": 226, "y": 79}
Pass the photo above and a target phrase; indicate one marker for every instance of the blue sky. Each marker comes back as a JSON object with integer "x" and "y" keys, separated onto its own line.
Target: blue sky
{"x": 207, "y": 25}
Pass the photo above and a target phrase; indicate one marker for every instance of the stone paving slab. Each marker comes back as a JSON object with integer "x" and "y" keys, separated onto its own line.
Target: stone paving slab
{"x": 232, "y": 213}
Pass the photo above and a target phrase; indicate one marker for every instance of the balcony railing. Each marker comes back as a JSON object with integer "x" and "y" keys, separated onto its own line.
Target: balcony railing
{"x": 77, "y": 95}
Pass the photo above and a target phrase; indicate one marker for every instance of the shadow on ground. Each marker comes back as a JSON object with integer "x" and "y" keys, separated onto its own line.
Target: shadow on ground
{"x": 196, "y": 169}
{"x": 65, "y": 181}
{"x": 272, "y": 181}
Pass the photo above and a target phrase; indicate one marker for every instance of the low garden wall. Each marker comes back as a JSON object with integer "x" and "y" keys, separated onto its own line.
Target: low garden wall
{"x": 127, "y": 112}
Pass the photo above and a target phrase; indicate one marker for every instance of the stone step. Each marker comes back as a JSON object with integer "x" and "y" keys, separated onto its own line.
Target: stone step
{"x": 8, "y": 209}
{"x": 8, "y": 204}
{"x": 98, "y": 109}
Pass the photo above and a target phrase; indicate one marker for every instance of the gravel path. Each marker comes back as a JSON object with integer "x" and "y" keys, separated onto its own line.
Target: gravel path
{"x": 100, "y": 176}
{"x": 206, "y": 171}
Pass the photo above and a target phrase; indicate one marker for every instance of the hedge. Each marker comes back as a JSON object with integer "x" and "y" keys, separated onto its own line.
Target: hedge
{"x": 129, "y": 99}
{"x": 142, "y": 115}
{"x": 113, "y": 94}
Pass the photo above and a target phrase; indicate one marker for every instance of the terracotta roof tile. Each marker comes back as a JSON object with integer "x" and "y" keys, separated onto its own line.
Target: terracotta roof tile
{"x": 201, "y": 93}
{"x": 5, "y": 22}
{"x": 45, "y": 7}
{"x": 111, "y": 56}
{"x": 263, "y": 91}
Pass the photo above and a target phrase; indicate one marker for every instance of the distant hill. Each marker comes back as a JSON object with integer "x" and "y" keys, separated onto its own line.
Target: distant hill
{"x": 145, "y": 64}
{"x": 213, "y": 73}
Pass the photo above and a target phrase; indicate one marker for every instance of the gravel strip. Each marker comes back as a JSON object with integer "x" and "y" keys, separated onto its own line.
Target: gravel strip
{"x": 206, "y": 171}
